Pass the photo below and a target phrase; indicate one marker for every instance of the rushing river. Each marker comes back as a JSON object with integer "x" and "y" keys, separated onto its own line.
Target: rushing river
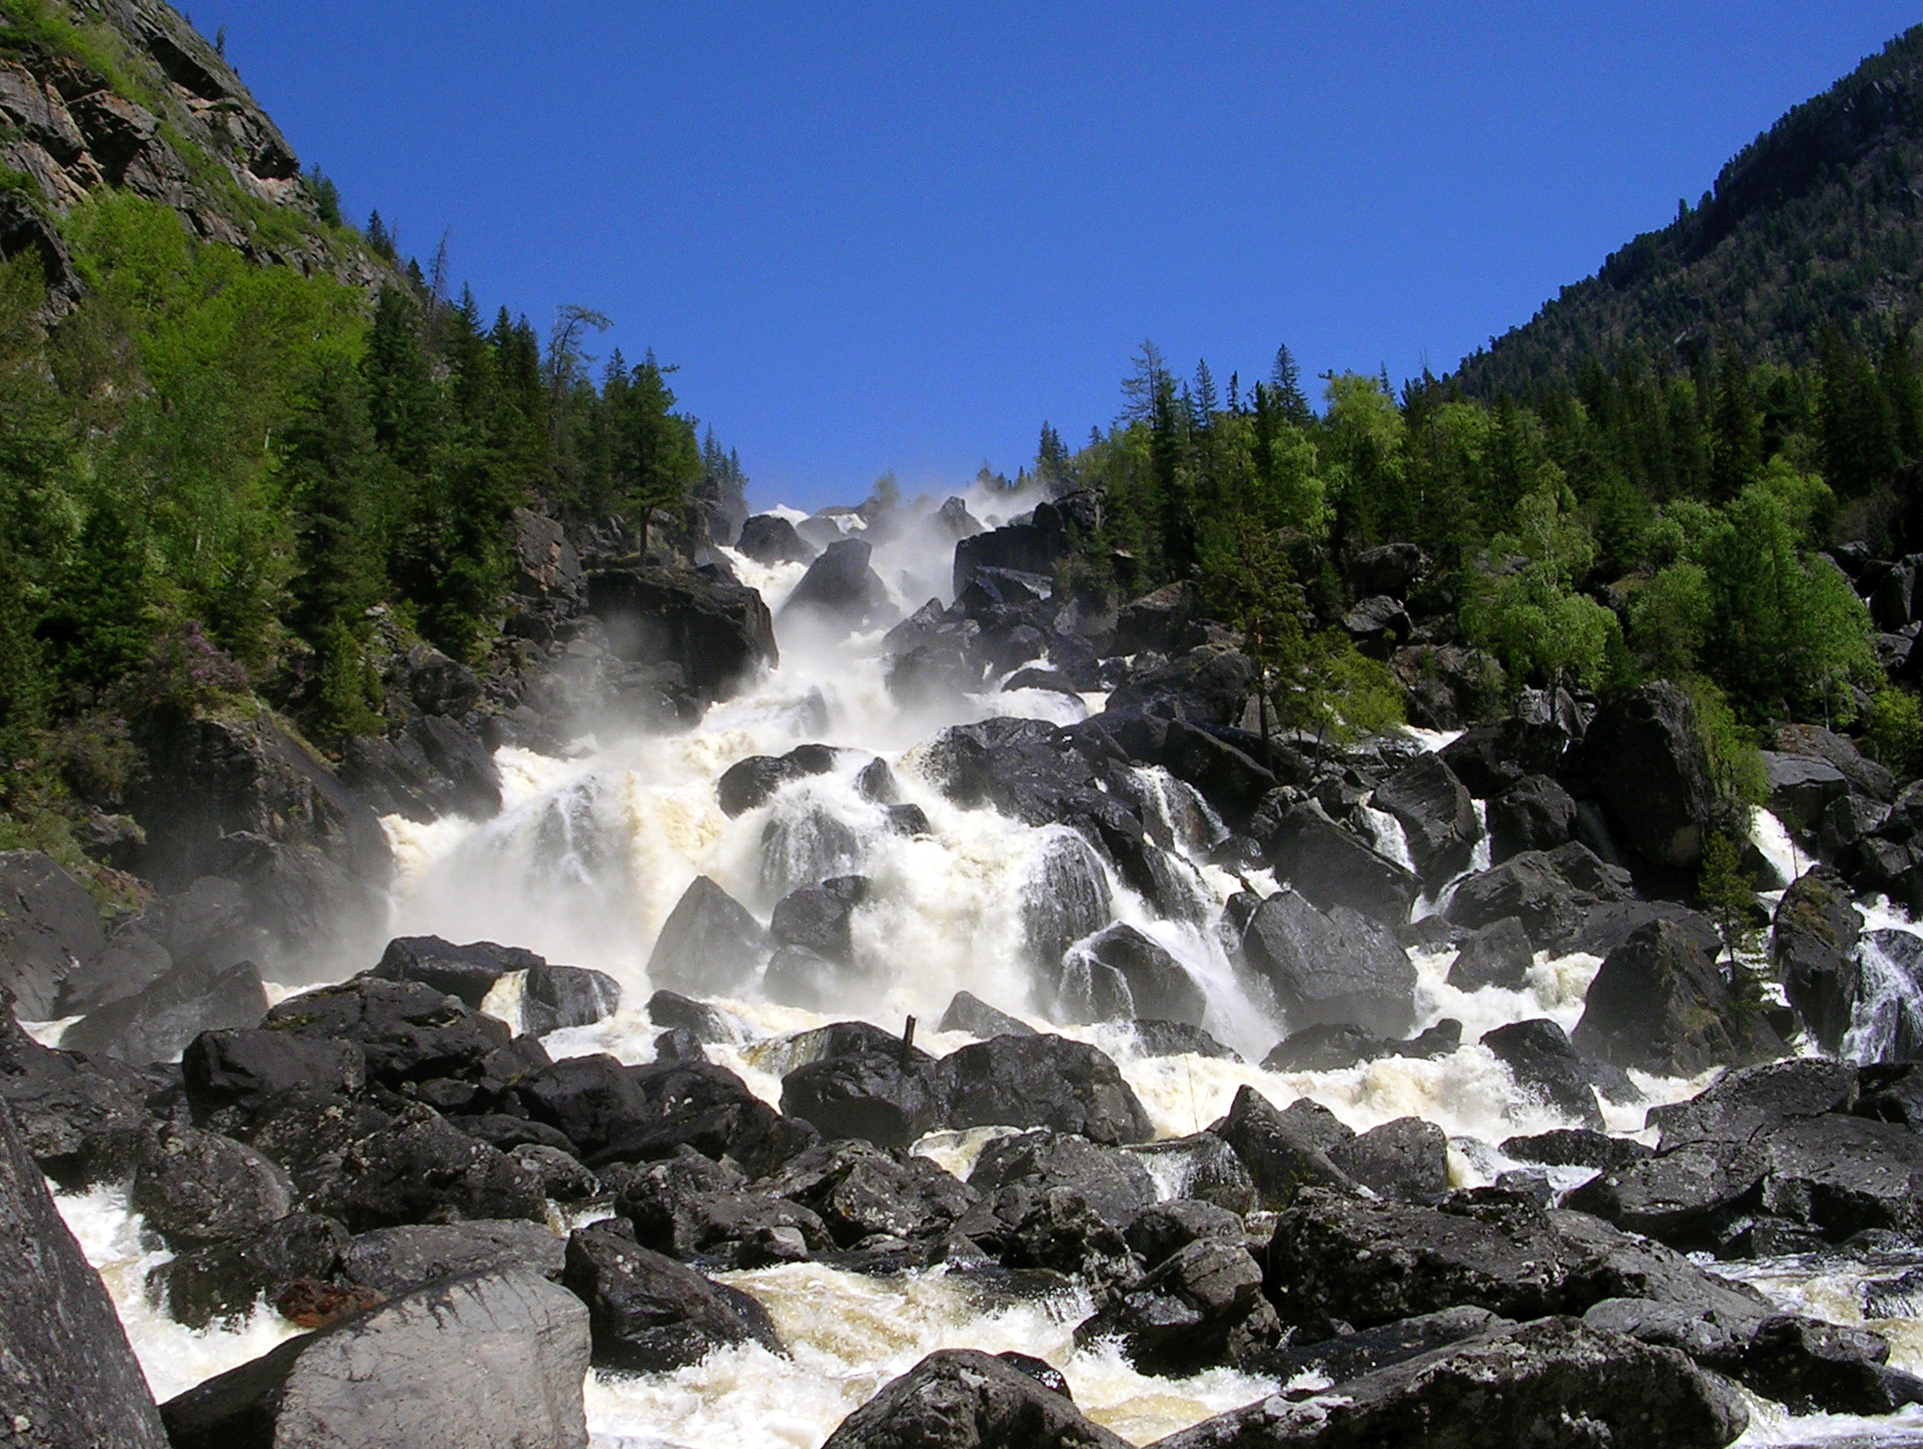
{"x": 594, "y": 847}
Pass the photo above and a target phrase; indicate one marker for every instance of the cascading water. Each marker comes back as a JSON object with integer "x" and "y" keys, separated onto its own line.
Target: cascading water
{"x": 593, "y": 849}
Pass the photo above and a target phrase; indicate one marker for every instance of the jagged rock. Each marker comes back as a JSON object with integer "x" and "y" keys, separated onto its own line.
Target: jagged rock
{"x": 1202, "y": 1307}
{"x": 753, "y": 781}
{"x": 1437, "y": 816}
{"x": 1331, "y": 867}
{"x": 1379, "y": 625}
{"x": 407, "y": 1031}
{"x": 226, "y": 1279}
{"x": 1801, "y": 787}
{"x": 1406, "y": 1159}
{"x": 860, "y": 1193}
{"x": 467, "y": 972}
{"x": 1813, "y": 947}
{"x": 81, "y": 1120}
{"x": 1065, "y": 898}
{"x": 688, "y": 1206}
{"x": 807, "y": 848}
{"x": 1539, "y": 1054}
{"x": 1577, "y": 1147}
{"x": 1646, "y": 762}
{"x": 1865, "y": 777}
{"x": 1446, "y": 686}
{"x": 545, "y": 561}
{"x": 1535, "y": 813}
{"x": 554, "y": 998}
{"x": 958, "y": 1398}
{"x": 1553, "y": 893}
{"x": 1283, "y": 1152}
{"x": 495, "y": 1361}
{"x": 717, "y": 631}
{"x": 797, "y": 976}
{"x": 1497, "y": 955}
{"x": 968, "y": 1013}
{"x": 648, "y": 1313}
{"x": 1556, "y": 1383}
{"x": 157, "y": 1023}
{"x": 1163, "y": 1229}
{"x": 430, "y": 766}
{"x": 1331, "y": 1046}
{"x": 49, "y": 927}
{"x": 423, "y": 1169}
{"x": 1389, "y": 568}
{"x": 1113, "y": 1181}
{"x": 131, "y": 961}
{"x": 67, "y": 1376}
{"x": 768, "y": 538}
{"x": 196, "y": 1188}
{"x": 1155, "y": 1038}
{"x": 1040, "y": 1081}
{"x": 1201, "y": 1166}
{"x": 1120, "y": 974}
{"x": 871, "y": 1096}
{"x": 710, "y": 1026}
{"x": 1660, "y": 1004}
{"x": 1164, "y": 622}
{"x": 819, "y": 918}
{"x": 1488, "y": 759}
{"x": 1341, "y": 967}
{"x": 234, "y": 1071}
{"x": 1208, "y": 685}
{"x": 709, "y": 945}
{"x": 841, "y": 588}
{"x": 393, "y": 1261}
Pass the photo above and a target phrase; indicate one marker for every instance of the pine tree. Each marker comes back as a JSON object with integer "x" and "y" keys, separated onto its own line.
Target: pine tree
{"x": 1286, "y": 380}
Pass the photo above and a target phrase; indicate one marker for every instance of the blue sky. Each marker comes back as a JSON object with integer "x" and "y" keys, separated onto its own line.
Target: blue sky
{"x": 901, "y": 235}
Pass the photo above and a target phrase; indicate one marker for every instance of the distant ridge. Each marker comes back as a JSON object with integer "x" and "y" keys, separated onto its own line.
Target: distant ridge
{"x": 1817, "y": 221}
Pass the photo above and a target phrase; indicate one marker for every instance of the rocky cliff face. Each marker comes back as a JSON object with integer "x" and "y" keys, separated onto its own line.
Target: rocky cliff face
{"x": 126, "y": 93}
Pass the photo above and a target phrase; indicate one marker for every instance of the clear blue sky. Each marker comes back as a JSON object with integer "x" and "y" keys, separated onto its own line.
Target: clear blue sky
{"x": 901, "y": 235}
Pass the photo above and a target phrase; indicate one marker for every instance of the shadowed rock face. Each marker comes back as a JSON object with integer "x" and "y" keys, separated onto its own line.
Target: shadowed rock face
{"x": 718, "y": 631}
{"x": 65, "y": 1368}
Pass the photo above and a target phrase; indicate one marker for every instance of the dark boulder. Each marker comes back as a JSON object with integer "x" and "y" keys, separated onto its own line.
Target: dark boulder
{"x": 235, "y": 1071}
{"x": 861, "y": 1193}
{"x": 49, "y": 927}
{"x": 427, "y": 767}
{"x": 1351, "y": 1355}
{"x": 690, "y": 1207}
{"x": 393, "y": 1261}
{"x": 67, "y": 1376}
{"x": 1660, "y": 1003}
{"x": 768, "y": 538}
{"x": 650, "y": 1314}
{"x": 1040, "y": 1081}
{"x": 1379, "y": 625}
{"x": 1120, "y": 974}
{"x": 1813, "y": 947}
{"x": 1208, "y": 685}
{"x": 819, "y": 918}
{"x": 1341, "y": 967}
{"x": 797, "y": 976}
{"x": 132, "y": 960}
{"x": 1866, "y": 777}
{"x": 1332, "y": 1046}
{"x": 1406, "y": 1159}
{"x": 1644, "y": 758}
{"x": 1802, "y": 787}
{"x": 1535, "y": 813}
{"x": 1577, "y": 1147}
{"x": 225, "y": 1280}
{"x": 1165, "y": 622}
{"x": 1437, "y": 816}
{"x": 754, "y": 781}
{"x": 423, "y": 1169}
{"x": 1284, "y": 1152}
{"x": 968, "y": 1013}
{"x": 156, "y": 1023}
{"x": 407, "y": 1031}
{"x": 717, "y": 631}
{"x": 1553, "y": 893}
{"x": 1539, "y": 1055}
{"x": 1488, "y": 759}
{"x": 1157, "y": 1038}
{"x": 1330, "y": 866}
{"x": 1499, "y": 954}
{"x": 1201, "y": 1307}
{"x": 1390, "y": 568}
{"x": 468, "y": 972}
{"x": 554, "y": 998}
{"x": 708, "y": 1025}
{"x": 1556, "y": 1384}
{"x": 1201, "y": 1166}
{"x": 1163, "y": 1229}
{"x": 196, "y": 1188}
{"x": 495, "y": 1361}
{"x": 840, "y": 588}
{"x": 1065, "y": 898}
{"x": 958, "y": 1398}
{"x": 709, "y": 945}
{"x": 1114, "y": 1182}
{"x": 872, "y": 1096}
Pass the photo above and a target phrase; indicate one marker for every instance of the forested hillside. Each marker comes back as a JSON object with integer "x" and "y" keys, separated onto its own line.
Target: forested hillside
{"x": 1817, "y": 223}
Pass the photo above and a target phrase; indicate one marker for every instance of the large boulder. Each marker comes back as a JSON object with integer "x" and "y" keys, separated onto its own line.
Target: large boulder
{"x": 958, "y": 1398}
{"x": 1645, "y": 760}
{"x": 873, "y": 1096}
{"x": 1556, "y": 1384}
{"x": 862, "y": 1194}
{"x": 754, "y": 781}
{"x": 1437, "y": 816}
{"x": 768, "y": 538}
{"x": 1539, "y": 1055}
{"x": 689, "y": 1206}
{"x": 1119, "y": 973}
{"x": 1341, "y": 967}
{"x": 196, "y": 1188}
{"x": 225, "y": 1280}
{"x": 156, "y": 1023}
{"x": 1660, "y": 1004}
{"x": 1040, "y": 1081}
{"x": 1498, "y": 954}
{"x": 67, "y": 1376}
{"x": 421, "y": 1169}
{"x": 468, "y": 972}
{"x": 1065, "y": 898}
{"x": 1114, "y": 1181}
{"x": 841, "y": 589}
{"x": 495, "y": 1361}
{"x": 407, "y": 1031}
{"x": 717, "y": 631}
{"x": 1535, "y": 813}
{"x": 1284, "y": 1152}
{"x": 709, "y": 945}
{"x": 650, "y": 1314}
{"x": 1813, "y": 946}
{"x": 1801, "y": 787}
{"x": 1331, "y": 866}
{"x": 49, "y": 927}
{"x": 1554, "y": 894}
{"x": 1201, "y": 1307}
{"x": 393, "y": 1261}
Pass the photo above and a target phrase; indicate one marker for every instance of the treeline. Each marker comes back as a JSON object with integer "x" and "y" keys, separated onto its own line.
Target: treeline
{"x": 1647, "y": 522}
{"x": 212, "y": 471}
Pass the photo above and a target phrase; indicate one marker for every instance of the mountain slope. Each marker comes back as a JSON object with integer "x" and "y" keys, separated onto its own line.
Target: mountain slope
{"x": 1818, "y": 220}
{"x": 125, "y": 93}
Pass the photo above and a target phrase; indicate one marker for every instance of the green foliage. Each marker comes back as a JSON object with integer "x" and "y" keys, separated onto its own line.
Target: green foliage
{"x": 1528, "y": 615}
{"x": 1894, "y": 730}
{"x": 1735, "y": 764}
{"x": 1727, "y": 893}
